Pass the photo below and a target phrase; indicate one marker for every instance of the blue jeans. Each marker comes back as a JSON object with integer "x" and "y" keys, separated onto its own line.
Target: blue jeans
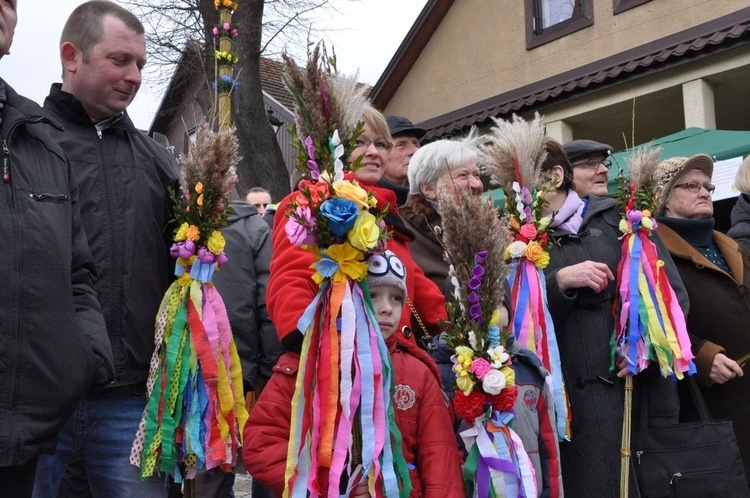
{"x": 100, "y": 434}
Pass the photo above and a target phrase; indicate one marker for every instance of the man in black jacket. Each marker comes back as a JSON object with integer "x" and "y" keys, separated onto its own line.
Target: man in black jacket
{"x": 124, "y": 178}
{"x": 53, "y": 342}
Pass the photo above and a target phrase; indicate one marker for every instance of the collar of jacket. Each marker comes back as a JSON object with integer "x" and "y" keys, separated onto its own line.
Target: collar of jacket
{"x": 422, "y": 215}
{"x": 69, "y": 106}
{"x": 728, "y": 247}
{"x": 25, "y": 109}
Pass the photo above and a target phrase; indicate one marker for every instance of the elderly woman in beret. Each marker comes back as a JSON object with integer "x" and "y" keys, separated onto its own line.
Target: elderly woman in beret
{"x": 584, "y": 253}
{"x": 716, "y": 272}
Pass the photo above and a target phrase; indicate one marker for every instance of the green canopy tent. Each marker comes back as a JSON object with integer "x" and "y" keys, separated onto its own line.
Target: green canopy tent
{"x": 719, "y": 144}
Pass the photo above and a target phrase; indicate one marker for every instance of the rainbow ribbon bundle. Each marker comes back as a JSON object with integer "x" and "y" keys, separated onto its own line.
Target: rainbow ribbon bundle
{"x": 650, "y": 325}
{"x": 195, "y": 411}
{"x": 531, "y": 322}
{"x": 342, "y": 415}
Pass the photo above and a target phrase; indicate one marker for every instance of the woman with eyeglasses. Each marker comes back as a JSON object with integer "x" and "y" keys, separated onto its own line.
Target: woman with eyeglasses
{"x": 716, "y": 272}
{"x": 584, "y": 253}
{"x": 290, "y": 286}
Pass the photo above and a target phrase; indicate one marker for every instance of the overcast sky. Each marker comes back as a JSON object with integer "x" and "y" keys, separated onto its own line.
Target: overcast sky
{"x": 367, "y": 34}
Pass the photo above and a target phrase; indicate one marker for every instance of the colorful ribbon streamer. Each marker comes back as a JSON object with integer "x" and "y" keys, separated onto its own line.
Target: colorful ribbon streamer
{"x": 497, "y": 465}
{"x": 650, "y": 325}
{"x": 196, "y": 410}
{"x": 342, "y": 422}
{"x": 532, "y": 326}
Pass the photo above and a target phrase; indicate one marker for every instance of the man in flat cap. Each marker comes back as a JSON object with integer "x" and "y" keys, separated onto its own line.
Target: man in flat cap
{"x": 590, "y": 166}
{"x": 406, "y": 139}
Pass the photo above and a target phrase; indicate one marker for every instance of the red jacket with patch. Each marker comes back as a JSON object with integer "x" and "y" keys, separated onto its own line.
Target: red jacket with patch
{"x": 422, "y": 416}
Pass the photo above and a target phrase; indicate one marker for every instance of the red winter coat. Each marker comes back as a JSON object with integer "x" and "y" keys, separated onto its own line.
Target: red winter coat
{"x": 291, "y": 288}
{"x": 422, "y": 416}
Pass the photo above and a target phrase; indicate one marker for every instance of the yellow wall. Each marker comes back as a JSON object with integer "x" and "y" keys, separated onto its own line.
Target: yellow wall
{"x": 479, "y": 50}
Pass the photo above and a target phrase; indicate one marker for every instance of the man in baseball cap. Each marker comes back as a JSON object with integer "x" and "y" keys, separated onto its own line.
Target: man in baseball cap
{"x": 406, "y": 139}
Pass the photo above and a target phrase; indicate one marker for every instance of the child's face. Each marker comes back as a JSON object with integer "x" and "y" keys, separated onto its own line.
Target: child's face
{"x": 387, "y": 301}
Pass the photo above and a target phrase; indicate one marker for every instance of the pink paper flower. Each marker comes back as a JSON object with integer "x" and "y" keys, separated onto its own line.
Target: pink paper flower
{"x": 480, "y": 367}
{"x": 298, "y": 229}
{"x": 528, "y": 231}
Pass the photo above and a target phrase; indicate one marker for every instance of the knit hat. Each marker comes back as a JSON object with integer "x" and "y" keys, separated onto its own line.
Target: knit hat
{"x": 582, "y": 148}
{"x": 669, "y": 172}
{"x": 386, "y": 269}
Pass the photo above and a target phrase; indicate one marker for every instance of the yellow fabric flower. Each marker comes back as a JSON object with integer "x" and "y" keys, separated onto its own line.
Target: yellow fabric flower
{"x": 351, "y": 191}
{"x": 199, "y": 188}
{"x": 647, "y": 223}
{"x": 533, "y": 250}
{"x": 464, "y": 350}
{"x": 192, "y": 233}
{"x": 181, "y": 232}
{"x": 365, "y": 233}
{"x": 542, "y": 261}
{"x": 544, "y": 223}
{"x": 466, "y": 384}
{"x": 350, "y": 263}
{"x": 216, "y": 242}
{"x": 510, "y": 376}
{"x": 199, "y": 201}
{"x": 495, "y": 318}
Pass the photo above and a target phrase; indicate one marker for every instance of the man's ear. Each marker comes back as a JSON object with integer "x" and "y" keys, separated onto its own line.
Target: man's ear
{"x": 429, "y": 192}
{"x": 70, "y": 57}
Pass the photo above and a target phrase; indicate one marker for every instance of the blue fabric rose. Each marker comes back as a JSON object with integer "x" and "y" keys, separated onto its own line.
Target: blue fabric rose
{"x": 341, "y": 214}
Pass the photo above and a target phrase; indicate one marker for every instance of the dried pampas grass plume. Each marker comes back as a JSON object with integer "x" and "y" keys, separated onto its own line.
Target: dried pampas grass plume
{"x": 514, "y": 151}
{"x": 470, "y": 224}
{"x": 643, "y": 163}
{"x": 212, "y": 160}
{"x": 325, "y": 100}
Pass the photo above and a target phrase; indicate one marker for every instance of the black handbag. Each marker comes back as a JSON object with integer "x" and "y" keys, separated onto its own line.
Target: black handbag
{"x": 692, "y": 459}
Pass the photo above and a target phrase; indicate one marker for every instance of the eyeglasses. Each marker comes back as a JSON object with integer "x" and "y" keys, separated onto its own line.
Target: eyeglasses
{"x": 592, "y": 164}
{"x": 381, "y": 145}
{"x": 695, "y": 187}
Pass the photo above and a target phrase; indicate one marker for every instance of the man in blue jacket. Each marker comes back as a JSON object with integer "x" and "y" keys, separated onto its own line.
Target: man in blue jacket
{"x": 53, "y": 342}
{"x": 124, "y": 178}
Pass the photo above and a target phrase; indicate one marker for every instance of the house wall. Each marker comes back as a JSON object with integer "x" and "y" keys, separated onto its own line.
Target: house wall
{"x": 479, "y": 49}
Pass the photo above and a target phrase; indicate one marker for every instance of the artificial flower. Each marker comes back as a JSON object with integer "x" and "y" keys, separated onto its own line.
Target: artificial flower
{"x": 353, "y": 192}
{"x": 341, "y": 214}
{"x": 181, "y": 232}
{"x": 465, "y": 384}
{"x": 199, "y": 188}
{"x": 493, "y": 382}
{"x": 470, "y": 405}
{"x": 528, "y": 231}
{"x": 365, "y": 233}
{"x": 350, "y": 262}
{"x": 216, "y": 242}
{"x": 498, "y": 356}
{"x": 504, "y": 401}
{"x": 647, "y": 223}
{"x": 199, "y": 200}
{"x": 542, "y": 261}
{"x": 544, "y": 222}
{"x": 533, "y": 251}
{"x": 510, "y": 375}
{"x": 205, "y": 255}
{"x": 299, "y": 229}
{"x": 310, "y": 192}
{"x": 517, "y": 249}
{"x": 480, "y": 367}
{"x": 192, "y": 233}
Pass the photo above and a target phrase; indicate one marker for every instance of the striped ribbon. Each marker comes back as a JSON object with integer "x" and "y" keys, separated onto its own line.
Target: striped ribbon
{"x": 650, "y": 325}
{"x": 344, "y": 379}
{"x": 532, "y": 326}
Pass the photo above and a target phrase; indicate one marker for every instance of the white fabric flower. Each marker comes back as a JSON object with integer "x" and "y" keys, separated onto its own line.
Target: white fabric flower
{"x": 493, "y": 382}
{"x": 517, "y": 249}
{"x": 473, "y": 340}
{"x": 498, "y": 356}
